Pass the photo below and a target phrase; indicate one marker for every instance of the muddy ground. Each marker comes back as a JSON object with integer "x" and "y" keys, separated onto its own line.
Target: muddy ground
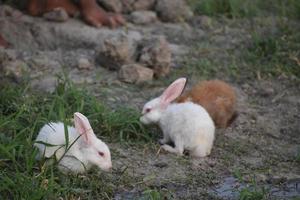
{"x": 262, "y": 146}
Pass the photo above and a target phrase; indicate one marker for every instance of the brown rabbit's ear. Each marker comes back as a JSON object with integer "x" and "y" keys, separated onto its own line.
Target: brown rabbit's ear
{"x": 82, "y": 125}
{"x": 172, "y": 92}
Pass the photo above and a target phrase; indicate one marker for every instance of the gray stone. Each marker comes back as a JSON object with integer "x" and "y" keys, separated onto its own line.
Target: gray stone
{"x": 84, "y": 63}
{"x": 7, "y": 11}
{"x": 127, "y": 6}
{"x": 203, "y": 21}
{"x": 15, "y": 69}
{"x": 144, "y": 4}
{"x": 57, "y": 15}
{"x": 143, "y": 17}
{"x": 7, "y": 55}
{"x": 117, "y": 50}
{"x": 43, "y": 62}
{"x": 114, "y": 53}
{"x": 156, "y": 54}
{"x": 173, "y": 10}
{"x": 261, "y": 178}
{"x": 112, "y": 5}
{"x": 135, "y": 73}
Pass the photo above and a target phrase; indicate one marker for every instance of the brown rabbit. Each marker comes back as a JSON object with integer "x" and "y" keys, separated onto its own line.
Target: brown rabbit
{"x": 217, "y": 97}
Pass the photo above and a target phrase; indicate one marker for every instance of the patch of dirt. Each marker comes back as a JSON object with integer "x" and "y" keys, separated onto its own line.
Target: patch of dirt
{"x": 263, "y": 141}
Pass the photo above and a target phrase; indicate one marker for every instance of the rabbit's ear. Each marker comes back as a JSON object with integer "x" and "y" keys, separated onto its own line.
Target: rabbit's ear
{"x": 172, "y": 92}
{"x": 82, "y": 125}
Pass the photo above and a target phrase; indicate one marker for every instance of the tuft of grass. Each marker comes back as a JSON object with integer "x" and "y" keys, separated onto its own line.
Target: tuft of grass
{"x": 246, "y": 8}
{"x": 274, "y": 55}
{"x": 152, "y": 194}
{"x": 264, "y": 56}
{"x": 23, "y": 112}
{"x": 252, "y": 191}
{"x": 230, "y": 8}
{"x": 252, "y": 194}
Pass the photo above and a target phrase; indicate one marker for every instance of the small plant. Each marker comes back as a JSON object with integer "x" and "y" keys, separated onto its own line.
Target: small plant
{"x": 230, "y": 8}
{"x": 246, "y": 8}
{"x": 252, "y": 194}
{"x": 252, "y": 191}
{"x": 151, "y": 194}
{"x": 274, "y": 55}
{"x": 265, "y": 47}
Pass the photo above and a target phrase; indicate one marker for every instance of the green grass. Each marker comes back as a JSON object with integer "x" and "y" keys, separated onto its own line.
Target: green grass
{"x": 265, "y": 55}
{"x": 23, "y": 112}
{"x": 273, "y": 55}
{"x": 246, "y": 8}
{"x": 252, "y": 191}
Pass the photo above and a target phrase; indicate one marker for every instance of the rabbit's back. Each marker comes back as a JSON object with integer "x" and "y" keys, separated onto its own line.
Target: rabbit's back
{"x": 188, "y": 122}
{"x": 53, "y": 134}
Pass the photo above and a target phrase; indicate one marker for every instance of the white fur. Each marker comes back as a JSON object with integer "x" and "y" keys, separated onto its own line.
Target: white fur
{"x": 187, "y": 125}
{"x": 82, "y": 154}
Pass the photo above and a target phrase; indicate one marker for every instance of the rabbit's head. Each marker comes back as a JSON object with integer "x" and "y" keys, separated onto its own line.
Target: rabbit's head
{"x": 93, "y": 150}
{"x": 153, "y": 110}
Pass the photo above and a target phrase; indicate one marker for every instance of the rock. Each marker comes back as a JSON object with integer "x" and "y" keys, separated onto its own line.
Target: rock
{"x": 134, "y": 5}
{"x": 261, "y": 178}
{"x": 156, "y": 54}
{"x": 135, "y": 73}
{"x": 278, "y": 179}
{"x": 173, "y": 10}
{"x": 15, "y": 69}
{"x": 143, "y": 17}
{"x": 127, "y": 6}
{"x": 117, "y": 50}
{"x": 143, "y": 4}
{"x": 115, "y": 53}
{"x": 161, "y": 164}
{"x": 202, "y": 21}
{"x": 7, "y": 11}
{"x": 267, "y": 91}
{"x": 84, "y": 63}
{"x": 111, "y": 5}
{"x": 57, "y": 15}
{"x": 7, "y": 55}
{"x": 41, "y": 63}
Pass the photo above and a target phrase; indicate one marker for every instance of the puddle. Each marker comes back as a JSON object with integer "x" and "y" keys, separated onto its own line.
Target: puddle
{"x": 230, "y": 188}
{"x": 127, "y": 195}
{"x": 288, "y": 190}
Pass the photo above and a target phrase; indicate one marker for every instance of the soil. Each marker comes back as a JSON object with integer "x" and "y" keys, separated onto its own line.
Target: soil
{"x": 263, "y": 143}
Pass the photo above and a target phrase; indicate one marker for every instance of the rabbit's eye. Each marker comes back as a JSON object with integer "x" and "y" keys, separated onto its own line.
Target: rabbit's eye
{"x": 148, "y": 110}
{"x": 101, "y": 153}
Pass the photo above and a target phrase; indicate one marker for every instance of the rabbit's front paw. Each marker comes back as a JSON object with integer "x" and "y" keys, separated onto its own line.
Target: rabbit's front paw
{"x": 172, "y": 150}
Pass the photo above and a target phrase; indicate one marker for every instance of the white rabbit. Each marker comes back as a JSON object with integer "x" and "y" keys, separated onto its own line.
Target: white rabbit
{"x": 187, "y": 125}
{"x": 86, "y": 150}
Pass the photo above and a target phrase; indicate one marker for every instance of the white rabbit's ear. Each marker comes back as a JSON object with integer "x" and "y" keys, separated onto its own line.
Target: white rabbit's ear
{"x": 172, "y": 92}
{"x": 82, "y": 125}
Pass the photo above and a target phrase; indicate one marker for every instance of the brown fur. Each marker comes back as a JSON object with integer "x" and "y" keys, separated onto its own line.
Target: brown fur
{"x": 217, "y": 97}
{"x": 91, "y": 12}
